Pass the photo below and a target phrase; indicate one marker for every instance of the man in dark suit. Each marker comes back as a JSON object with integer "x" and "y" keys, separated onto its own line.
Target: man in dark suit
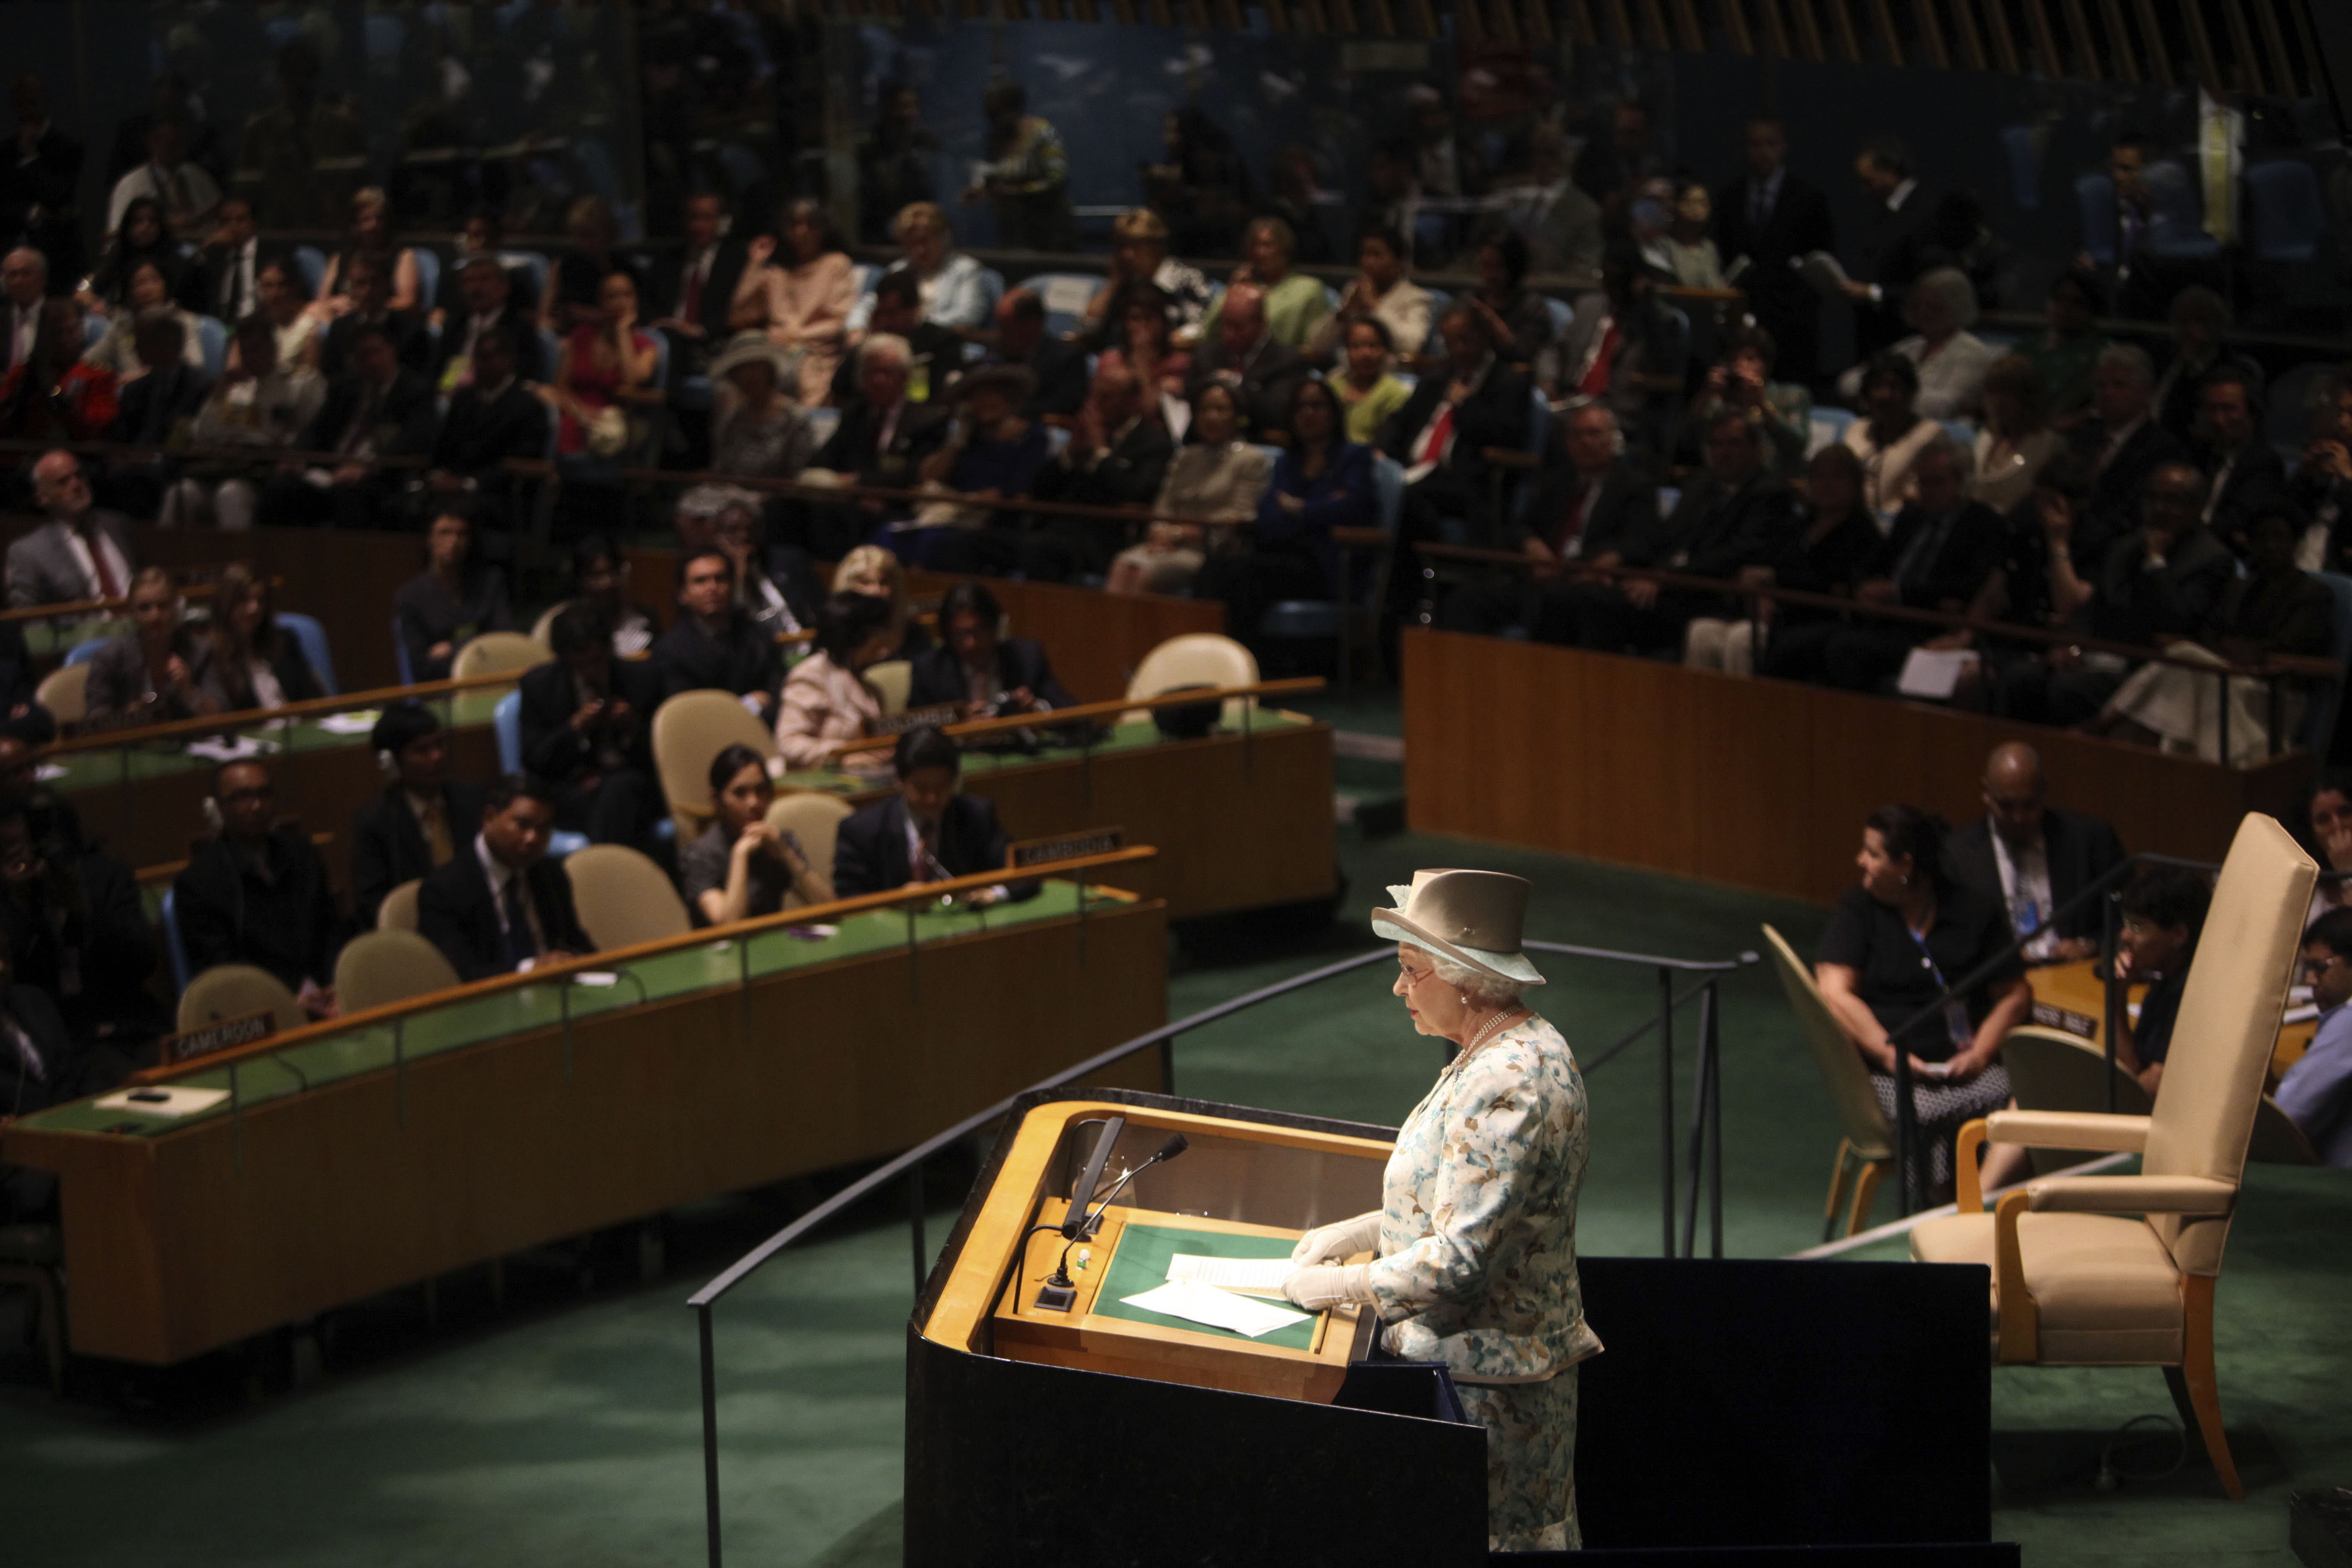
{"x": 2243, "y": 471}
{"x": 493, "y": 418}
{"x": 418, "y": 821}
{"x": 1886, "y": 259}
{"x": 486, "y": 290}
{"x": 382, "y": 409}
{"x": 1774, "y": 216}
{"x": 934, "y": 353}
{"x": 693, "y": 286}
{"x": 370, "y": 294}
{"x": 991, "y": 675}
{"x": 231, "y": 264}
{"x": 1442, "y": 434}
{"x": 150, "y": 406}
{"x": 258, "y": 894}
{"x": 74, "y": 922}
{"x": 79, "y": 554}
{"x": 587, "y": 730}
{"x": 1263, "y": 373}
{"x": 2124, "y": 444}
{"x": 716, "y": 644}
{"x": 928, "y": 832}
{"x": 1117, "y": 456}
{"x": 882, "y": 440}
{"x": 2032, "y": 859}
{"x": 1589, "y": 518}
{"x": 47, "y": 1064}
{"x": 40, "y": 175}
{"x": 500, "y": 905}
{"x": 1737, "y": 516}
{"x": 1059, "y": 368}
{"x": 1941, "y": 555}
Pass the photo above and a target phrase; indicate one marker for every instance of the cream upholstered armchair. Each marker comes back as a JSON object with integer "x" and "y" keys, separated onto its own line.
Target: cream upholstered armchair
{"x": 2119, "y": 1271}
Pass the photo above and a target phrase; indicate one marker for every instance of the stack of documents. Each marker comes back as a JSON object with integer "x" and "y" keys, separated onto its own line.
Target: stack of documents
{"x": 1197, "y": 1303}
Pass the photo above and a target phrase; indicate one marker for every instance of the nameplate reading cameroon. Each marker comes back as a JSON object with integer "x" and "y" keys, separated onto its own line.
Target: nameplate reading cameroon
{"x": 1027, "y": 852}
{"x": 222, "y": 1035}
{"x": 938, "y": 714}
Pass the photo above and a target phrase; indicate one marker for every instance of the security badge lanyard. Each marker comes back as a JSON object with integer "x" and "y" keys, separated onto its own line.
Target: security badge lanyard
{"x": 1956, "y": 1012}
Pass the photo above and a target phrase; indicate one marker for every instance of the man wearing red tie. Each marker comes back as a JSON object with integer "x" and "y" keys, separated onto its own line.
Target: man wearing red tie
{"x": 79, "y": 554}
{"x": 694, "y": 287}
{"x": 1606, "y": 501}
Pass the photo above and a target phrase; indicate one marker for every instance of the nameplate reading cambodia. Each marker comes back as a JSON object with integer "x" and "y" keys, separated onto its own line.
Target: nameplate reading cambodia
{"x": 225, "y": 1034}
{"x": 2079, "y": 1025}
{"x": 1028, "y": 852}
{"x": 938, "y": 714}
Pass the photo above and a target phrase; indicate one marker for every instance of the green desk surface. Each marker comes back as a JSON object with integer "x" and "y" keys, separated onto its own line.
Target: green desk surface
{"x": 62, "y": 636}
{"x": 476, "y": 1020}
{"x": 1122, "y": 738}
{"x": 1141, "y": 1264}
{"x": 114, "y": 764}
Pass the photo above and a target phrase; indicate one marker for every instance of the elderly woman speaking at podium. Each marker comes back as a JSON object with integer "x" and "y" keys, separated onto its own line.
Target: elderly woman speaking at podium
{"x": 1474, "y": 1249}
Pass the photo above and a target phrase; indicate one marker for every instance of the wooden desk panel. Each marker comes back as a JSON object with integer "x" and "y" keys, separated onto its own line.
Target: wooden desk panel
{"x": 1241, "y": 823}
{"x": 381, "y": 1181}
{"x": 1759, "y": 783}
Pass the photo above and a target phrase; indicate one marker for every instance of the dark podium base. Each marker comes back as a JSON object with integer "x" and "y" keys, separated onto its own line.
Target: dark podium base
{"x": 1833, "y": 1413}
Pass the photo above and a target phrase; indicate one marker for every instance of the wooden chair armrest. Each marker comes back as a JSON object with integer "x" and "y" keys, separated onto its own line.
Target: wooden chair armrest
{"x": 1511, "y": 458}
{"x": 1968, "y": 1184}
{"x": 2132, "y": 1194}
{"x": 2018, "y": 1332}
{"x": 2070, "y": 1129}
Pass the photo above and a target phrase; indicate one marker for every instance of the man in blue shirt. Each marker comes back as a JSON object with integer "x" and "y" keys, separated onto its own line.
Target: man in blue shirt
{"x": 2316, "y": 1092}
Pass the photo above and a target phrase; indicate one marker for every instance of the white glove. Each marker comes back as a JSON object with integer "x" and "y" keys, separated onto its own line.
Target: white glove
{"x": 1313, "y": 1290}
{"x": 1344, "y": 1238}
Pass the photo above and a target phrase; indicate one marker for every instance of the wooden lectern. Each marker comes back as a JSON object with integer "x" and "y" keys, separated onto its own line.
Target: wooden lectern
{"x": 1044, "y": 1436}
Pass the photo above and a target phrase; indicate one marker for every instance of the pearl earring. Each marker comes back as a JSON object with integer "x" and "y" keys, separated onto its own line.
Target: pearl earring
{"x": 1465, "y": 997}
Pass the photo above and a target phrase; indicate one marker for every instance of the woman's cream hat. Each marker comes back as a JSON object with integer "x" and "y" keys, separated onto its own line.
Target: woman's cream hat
{"x": 1474, "y": 918}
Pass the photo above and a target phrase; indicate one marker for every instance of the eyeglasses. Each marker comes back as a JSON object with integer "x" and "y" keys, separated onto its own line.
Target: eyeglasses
{"x": 1413, "y": 976}
{"x": 2316, "y": 967}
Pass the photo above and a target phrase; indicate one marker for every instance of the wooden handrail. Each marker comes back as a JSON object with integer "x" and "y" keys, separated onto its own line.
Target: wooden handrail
{"x": 800, "y": 489}
{"x": 734, "y": 931}
{"x": 1084, "y": 712}
{"x": 248, "y": 718}
{"x": 2275, "y": 666}
{"x": 75, "y": 608}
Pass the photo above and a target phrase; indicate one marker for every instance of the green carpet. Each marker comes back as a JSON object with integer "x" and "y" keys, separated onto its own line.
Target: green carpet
{"x": 566, "y": 1429}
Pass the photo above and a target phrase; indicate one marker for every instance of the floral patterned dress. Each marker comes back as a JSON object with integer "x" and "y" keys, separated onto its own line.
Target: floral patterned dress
{"x": 1477, "y": 1266}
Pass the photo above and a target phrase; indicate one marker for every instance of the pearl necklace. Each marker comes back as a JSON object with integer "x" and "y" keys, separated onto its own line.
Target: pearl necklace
{"x": 1491, "y": 1027}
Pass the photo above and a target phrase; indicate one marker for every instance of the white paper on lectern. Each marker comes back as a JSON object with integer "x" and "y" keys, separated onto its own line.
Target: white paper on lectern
{"x": 1218, "y": 1308}
{"x": 177, "y": 1101}
{"x": 1248, "y": 1276}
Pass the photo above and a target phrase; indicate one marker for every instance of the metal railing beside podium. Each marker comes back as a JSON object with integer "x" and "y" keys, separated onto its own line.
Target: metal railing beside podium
{"x": 1704, "y": 1154}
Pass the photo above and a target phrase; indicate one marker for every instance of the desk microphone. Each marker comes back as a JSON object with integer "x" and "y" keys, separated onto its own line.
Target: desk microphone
{"x": 1057, "y": 1294}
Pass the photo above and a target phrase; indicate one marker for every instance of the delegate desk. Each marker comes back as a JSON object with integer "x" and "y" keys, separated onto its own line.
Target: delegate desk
{"x": 367, "y": 1154}
{"x": 1242, "y": 818}
{"x": 142, "y": 791}
{"x": 2072, "y": 998}
{"x": 1759, "y": 783}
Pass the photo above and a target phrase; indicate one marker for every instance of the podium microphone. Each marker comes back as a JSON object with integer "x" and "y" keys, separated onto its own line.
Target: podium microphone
{"x": 1057, "y": 1294}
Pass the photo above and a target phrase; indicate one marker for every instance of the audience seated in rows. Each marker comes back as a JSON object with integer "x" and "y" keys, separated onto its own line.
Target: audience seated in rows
{"x": 369, "y": 237}
{"x": 603, "y": 364}
{"x": 1214, "y": 482}
{"x": 258, "y": 403}
{"x": 927, "y": 832}
{"x": 692, "y": 288}
{"x": 1472, "y": 402}
{"x": 1607, "y": 502}
{"x": 147, "y": 299}
{"x": 978, "y": 668}
{"x": 256, "y": 663}
{"x": 1742, "y": 384}
{"x": 82, "y": 553}
{"x": 454, "y": 600}
{"x": 1140, "y": 261}
{"x": 586, "y": 724}
{"x": 2017, "y": 439}
{"x": 761, "y": 431}
{"x": 776, "y": 586}
{"x": 601, "y": 571}
{"x": 826, "y": 699}
{"x": 932, "y": 354}
{"x": 1383, "y": 290}
{"x": 1292, "y": 301}
{"x": 382, "y": 409}
{"x": 1056, "y": 368}
{"x": 1834, "y": 542}
{"x": 1119, "y": 456}
{"x": 486, "y": 292}
{"x": 799, "y": 289}
{"x": 876, "y": 572}
{"x": 1320, "y": 481}
{"x": 2033, "y": 859}
{"x": 256, "y": 893}
{"x": 576, "y": 297}
{"x": 411, "y": 827}
{"x": 1143, "y": 347}
{"x": 1365, "y": 385}
{"x": 155, "y": 673}
{"x": 1891, "y": 433}
{"x": 75, "y": 929}
{"x": 1245, "y": 357}
{"x": 370, "y": 307}
{"x": 948, "y": 282}
{"x": 881, "y": 441}
{"x": 991, "y": 452}
{"x": 741, "y": 866}
{"x": 500, "y": 906}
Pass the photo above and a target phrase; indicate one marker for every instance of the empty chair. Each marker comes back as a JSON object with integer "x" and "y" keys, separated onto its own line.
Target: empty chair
{"x": 2051, "y": 1070}
{"x": 2289, "y": 218}
{"x": 381, "y": 968}
{"x": 1195, "y": 658}
{"x": 814, "y": 820}
{"x": 2120, "y": 1270}
{"x": 2175, "y": 227}
{"x": 65, "y": 693}
{"x": 233, "y": 990}
{"x": 398, "y": 911}
{"x": 623, "y": 897}
{"x": 499, "y": 653}
{"x": 1869, "y": 1141}
{"x": 689, "y": 729}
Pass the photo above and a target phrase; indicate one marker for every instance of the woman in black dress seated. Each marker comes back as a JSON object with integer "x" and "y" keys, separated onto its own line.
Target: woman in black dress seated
{"x": 1897, "y": 939}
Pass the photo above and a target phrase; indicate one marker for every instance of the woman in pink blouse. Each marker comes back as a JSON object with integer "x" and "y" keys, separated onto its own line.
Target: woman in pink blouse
{"x": 803, "y": 301}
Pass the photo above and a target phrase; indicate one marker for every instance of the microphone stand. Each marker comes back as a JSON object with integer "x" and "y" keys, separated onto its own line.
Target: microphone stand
{"x": 1059, "y": 1293}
